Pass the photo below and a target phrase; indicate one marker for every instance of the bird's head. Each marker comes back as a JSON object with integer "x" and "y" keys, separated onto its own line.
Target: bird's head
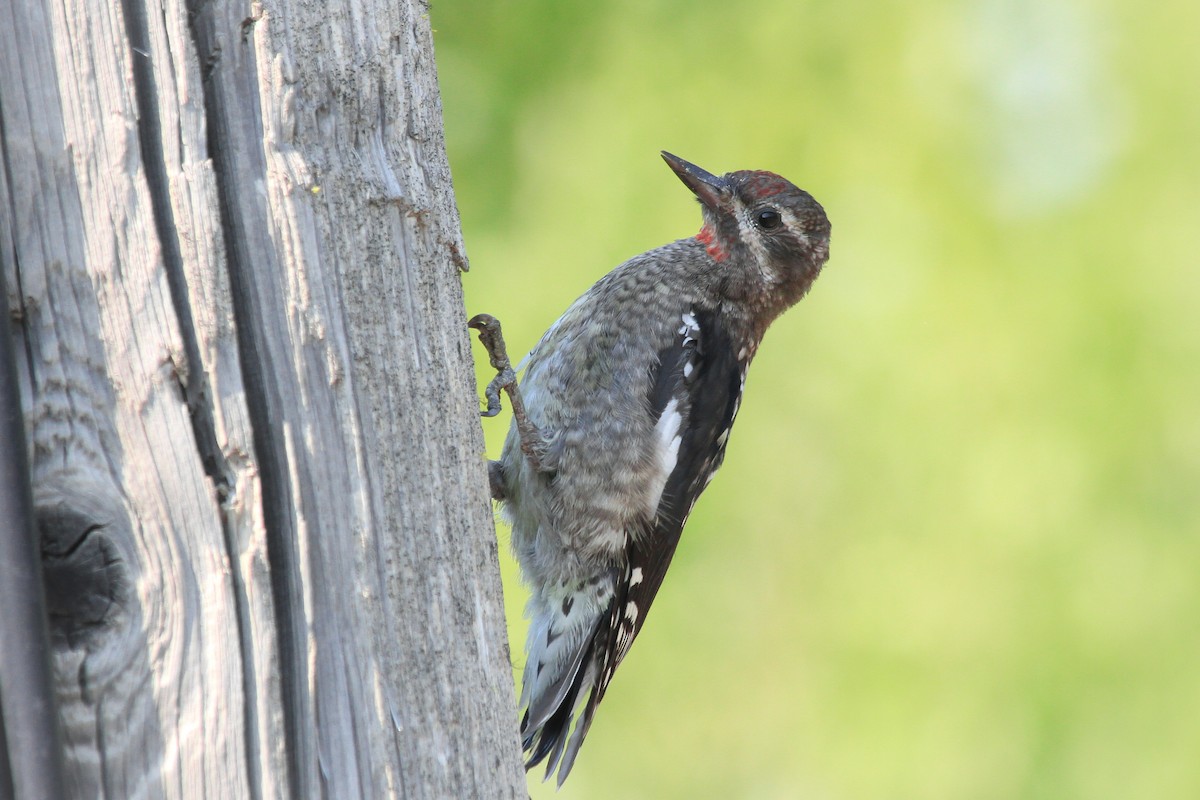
{"x": 760, "y": 222}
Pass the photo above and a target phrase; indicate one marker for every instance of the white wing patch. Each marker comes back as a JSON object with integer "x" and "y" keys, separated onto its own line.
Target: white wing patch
{"x": 690, "y": 331}
{"x": 691, "y": 328}
{"x": 667, "y": 438}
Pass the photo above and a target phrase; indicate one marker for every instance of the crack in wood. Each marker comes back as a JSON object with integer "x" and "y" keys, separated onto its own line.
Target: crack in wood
{"x": 192, "y": 377}
{"x": 278, "y": 507}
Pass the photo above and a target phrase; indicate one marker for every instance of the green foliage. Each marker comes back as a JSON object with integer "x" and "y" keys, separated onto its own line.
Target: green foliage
{"x": 953, "y": 551}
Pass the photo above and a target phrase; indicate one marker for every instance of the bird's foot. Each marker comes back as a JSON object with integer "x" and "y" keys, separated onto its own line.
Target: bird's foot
{"x": 496, "y": 481}
{"x": 533, "y": 443}
{"x": 506, "y": 378}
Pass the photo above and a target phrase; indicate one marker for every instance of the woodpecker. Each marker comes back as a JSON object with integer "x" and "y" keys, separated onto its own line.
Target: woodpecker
{"x": 620, "y": 422}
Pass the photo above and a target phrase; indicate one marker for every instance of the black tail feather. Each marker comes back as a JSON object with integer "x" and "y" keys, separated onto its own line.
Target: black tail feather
{"x": 554, "y": 737}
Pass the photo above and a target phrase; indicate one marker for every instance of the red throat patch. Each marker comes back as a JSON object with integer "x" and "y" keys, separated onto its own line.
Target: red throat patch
{"x": 708, "y": 238}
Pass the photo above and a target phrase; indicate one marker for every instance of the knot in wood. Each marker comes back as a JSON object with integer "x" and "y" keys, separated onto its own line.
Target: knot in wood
{"x": 87, "y": 575}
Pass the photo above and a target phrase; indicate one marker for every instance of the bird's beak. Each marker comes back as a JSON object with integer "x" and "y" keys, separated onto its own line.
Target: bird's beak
{"x": 709, "y": 189}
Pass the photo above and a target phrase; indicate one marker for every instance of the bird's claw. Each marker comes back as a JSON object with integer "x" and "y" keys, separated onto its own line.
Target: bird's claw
{"x": 493, "y": 341}
{"x": 492, "y": 338}
{"x": 506, "y": 379}
{"x": 533, "y": 442}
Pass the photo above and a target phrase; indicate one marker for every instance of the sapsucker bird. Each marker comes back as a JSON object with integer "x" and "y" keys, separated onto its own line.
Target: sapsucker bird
{"x": 628, "y": 402}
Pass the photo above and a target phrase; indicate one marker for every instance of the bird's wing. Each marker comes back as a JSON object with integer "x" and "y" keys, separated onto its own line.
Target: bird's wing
{"x": 700, "y": 378}
{"x": 694, "y": 397}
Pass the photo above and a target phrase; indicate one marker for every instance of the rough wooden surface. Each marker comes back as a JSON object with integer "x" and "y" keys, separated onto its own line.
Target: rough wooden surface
{"x": 232, "y": 256}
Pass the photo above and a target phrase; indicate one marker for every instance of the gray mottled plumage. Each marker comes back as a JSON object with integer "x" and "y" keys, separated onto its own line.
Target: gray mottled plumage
{"x": 634, "y": 390}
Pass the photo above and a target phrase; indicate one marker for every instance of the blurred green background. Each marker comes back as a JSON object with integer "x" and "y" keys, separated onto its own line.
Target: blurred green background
{"x": 953, "y": 552}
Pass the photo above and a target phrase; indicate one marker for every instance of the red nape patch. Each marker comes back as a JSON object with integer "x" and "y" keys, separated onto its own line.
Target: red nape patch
{"x": 708, "y": 238}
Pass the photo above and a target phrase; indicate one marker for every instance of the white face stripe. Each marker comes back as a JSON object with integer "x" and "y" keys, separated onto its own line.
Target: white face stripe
{"x": 751, "y": 236}
{"x": 754, "y": 237}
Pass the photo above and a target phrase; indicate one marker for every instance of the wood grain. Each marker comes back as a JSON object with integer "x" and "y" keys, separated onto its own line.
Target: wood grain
{"x": 232, "y": 253}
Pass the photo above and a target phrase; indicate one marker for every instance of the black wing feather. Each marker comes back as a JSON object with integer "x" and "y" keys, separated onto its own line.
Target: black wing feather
{"x": 708, "y": 398}
{"x": 711, "y": 395}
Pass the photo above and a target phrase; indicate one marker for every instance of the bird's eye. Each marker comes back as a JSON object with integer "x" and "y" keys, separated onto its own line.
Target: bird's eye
{"x": 767, "y": 218}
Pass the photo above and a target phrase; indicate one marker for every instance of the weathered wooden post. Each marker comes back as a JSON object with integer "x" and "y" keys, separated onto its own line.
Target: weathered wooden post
{"x": 232, "y": 259}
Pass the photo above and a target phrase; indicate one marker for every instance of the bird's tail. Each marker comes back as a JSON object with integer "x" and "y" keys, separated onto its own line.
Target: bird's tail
{"x": 568, "y": 646}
